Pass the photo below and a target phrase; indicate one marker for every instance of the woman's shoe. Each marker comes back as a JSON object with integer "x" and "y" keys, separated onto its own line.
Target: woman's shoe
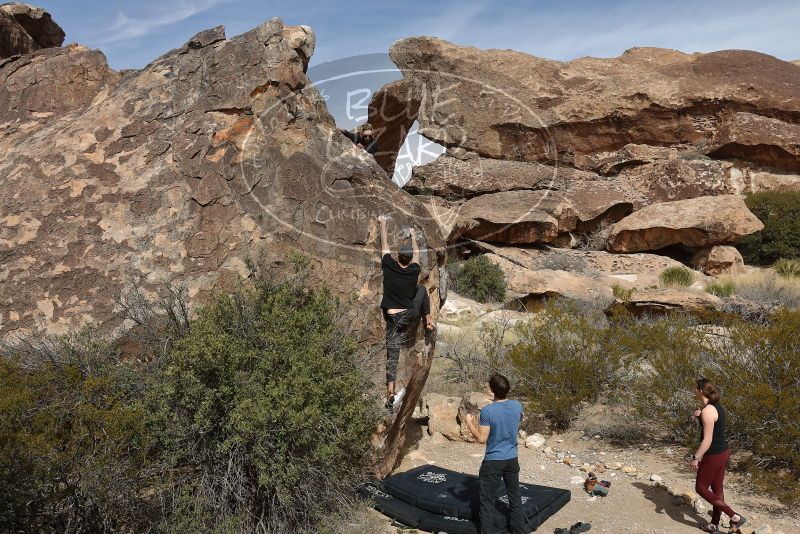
{"x": 712, "y": 528}
{"x": 737, "y": 525}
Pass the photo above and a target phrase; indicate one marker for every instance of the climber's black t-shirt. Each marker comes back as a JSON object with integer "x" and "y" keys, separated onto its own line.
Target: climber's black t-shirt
{"x": 399, "y": 284}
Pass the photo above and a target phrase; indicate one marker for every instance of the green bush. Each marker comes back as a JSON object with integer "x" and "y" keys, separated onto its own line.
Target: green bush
{"x": 73, "y": 445}
{"x": 756, "y": 366}
{"x": 620, "y": 293}
{"x": 479, "y": 279}
{"x": 256, "y": 418}
{"x": 787, "y": 268}
{"x": 676, "y": 277}
{"x": 563, "y": 358}
{"x": 780, "y": 238}
{"x": 721, "y": 288}
{"x": 263, "y": 411}
{"x": 566, "y": 357}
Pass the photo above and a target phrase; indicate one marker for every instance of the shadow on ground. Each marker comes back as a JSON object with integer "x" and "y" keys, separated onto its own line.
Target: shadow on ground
{"x": 663, "y": 503}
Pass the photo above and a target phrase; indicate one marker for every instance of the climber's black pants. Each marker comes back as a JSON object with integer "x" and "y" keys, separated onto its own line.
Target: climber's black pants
{"x": 397, "y": 327}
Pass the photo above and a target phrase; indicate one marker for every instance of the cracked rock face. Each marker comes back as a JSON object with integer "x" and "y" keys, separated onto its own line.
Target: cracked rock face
{"x": 25, "y": 29}
{"x": 175, "y": 173}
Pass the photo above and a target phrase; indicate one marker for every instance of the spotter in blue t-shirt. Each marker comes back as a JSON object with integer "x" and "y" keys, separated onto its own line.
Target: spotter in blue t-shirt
{"x": 502, "y": 418}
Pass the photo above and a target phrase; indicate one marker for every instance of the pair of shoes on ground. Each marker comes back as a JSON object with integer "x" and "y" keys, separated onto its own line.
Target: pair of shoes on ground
{"x": 577, "y": 528}
{"x": 393, "y": 401}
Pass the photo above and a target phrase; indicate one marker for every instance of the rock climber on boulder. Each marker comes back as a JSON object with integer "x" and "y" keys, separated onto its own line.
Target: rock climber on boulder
{"x": 403, "y": 301}
{"x": 364, "y": 137}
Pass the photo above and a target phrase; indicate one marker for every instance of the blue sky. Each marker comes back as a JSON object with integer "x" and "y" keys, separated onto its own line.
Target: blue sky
{"x": 132, "y": 33}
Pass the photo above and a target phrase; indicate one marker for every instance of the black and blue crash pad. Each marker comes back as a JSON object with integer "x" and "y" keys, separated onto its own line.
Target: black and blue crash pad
{"x": 435, "y": 499}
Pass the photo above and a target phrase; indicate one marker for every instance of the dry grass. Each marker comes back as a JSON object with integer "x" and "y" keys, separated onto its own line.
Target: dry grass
{"x": 767, "y": 289}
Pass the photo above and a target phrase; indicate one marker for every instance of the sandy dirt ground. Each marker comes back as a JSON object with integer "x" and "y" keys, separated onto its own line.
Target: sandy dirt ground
{"x": 633, "y": 504}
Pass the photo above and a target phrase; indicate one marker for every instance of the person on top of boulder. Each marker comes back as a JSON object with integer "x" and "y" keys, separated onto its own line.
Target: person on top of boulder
{"x": 499, "y": 426}
{"x": 364, "y": 137}
{"x": 403, "y": 301}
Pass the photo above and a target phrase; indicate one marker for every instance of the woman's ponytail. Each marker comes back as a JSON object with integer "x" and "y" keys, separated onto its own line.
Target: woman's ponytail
{"x": 709, "y": 390}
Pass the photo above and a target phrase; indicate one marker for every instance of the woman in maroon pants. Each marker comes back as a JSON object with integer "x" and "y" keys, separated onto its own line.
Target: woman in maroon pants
{"x": 712, "y": 456}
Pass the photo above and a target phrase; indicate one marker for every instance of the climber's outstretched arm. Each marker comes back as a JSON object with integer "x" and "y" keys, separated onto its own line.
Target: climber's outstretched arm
{"x": 414, "y": 247}
{"x": 382, "y": 219}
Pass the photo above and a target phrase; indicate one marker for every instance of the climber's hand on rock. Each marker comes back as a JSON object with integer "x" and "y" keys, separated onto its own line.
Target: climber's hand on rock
{"x": 696, "y": 413}
{"x": 412, "y": 232}
{"x": 383, "y": 218}
{"x": 469, "y": 418}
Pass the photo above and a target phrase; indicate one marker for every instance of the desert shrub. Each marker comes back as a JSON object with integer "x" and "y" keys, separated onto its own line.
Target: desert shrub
{"x": 693, "y": 154}
{"x": 756, "y": 366}
{"x": 254, "y": 416}
{"x": 597, "y": 238}
{"x": 780, "y": 238}
{"x": 559, "y": 261}
{"x": 721, "y": 288}
{"x": 620, "y": 293}
{"x": 787, "y": 268}
{"x": 759, "y": 369}
{"x": 472, "y": 356}
{"x": 73, "y": 446}
{"x": 676, "y": 277}
{"x": 479, "y": 279}
{"x": 768, "y": 291}
{"x": 562, "y": 358}
{"x": 567, "y": 357}
{"x": 262, "y": 415}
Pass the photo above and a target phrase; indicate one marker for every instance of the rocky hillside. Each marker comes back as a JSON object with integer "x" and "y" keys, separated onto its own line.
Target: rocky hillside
{"x": 637, "y": 161}
{"x": 176, "y": 173}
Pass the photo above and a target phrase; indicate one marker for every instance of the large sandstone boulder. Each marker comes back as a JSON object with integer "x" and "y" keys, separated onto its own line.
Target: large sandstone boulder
{"x": 509, "y": 105}
{"x": 442, "y": 414}
{"x": 655, "y": 301}
{"x": 764, "y": 140}
{"x": 540, "y": 216}
{"x": 718, "y": 260}
{"x": 626, "y": 270}
{"x": 530, "y": 288}
{"x": 175, "y": 173}
{"x": 680, "y": 179}
{"x": 697, "y": 222}
{"x": 25, "y": 29}
{"x": 218, "y": 151}
{"x": 451, "y": 177}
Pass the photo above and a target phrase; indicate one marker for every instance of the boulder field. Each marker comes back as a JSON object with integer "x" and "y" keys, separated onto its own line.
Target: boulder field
{"x": 553, "y": 166}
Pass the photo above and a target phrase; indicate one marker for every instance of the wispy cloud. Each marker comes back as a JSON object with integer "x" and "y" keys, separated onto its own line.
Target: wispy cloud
{"x": 129, "y": 27}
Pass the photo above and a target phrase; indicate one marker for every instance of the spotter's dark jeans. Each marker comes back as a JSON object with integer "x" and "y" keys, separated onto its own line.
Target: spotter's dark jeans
{"x": 489, "y": 479}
